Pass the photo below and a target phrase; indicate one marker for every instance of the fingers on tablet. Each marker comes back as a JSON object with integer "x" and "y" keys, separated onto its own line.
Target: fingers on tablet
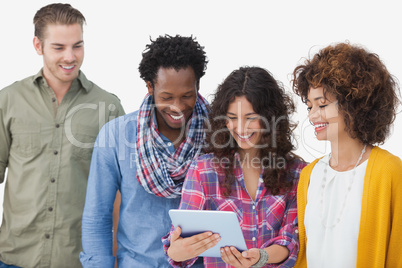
{"x": 206, "y": 241}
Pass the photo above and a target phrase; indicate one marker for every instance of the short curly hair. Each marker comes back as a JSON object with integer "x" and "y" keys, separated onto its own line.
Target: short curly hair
{"x": 269, "y": 100}
{"x": 366, "y": 92}
{"x": 172, "y": 52}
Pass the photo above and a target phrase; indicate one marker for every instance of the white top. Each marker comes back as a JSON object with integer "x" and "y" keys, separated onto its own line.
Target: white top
{"x": 334, "y": 246}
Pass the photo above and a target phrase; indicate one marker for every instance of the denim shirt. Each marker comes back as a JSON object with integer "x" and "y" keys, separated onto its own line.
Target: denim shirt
{"x": 144, "y": 217}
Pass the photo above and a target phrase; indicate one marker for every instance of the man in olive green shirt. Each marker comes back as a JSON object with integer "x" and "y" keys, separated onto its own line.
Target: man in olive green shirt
{"x": 48, "y": 126}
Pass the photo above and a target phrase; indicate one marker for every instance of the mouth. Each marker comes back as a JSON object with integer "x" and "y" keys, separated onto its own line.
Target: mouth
{"x": 320, "y": 126}
{"x": 245, "y": 137}
{"x": 176, "y": 117}
{"x": 67, "y": 67}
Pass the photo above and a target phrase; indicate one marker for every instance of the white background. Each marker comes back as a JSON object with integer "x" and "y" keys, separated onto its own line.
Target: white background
{"x": 275, "y": 35}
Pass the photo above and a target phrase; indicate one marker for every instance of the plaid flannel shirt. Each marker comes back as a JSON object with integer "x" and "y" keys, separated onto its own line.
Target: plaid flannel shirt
{"x": 264, "y": 221}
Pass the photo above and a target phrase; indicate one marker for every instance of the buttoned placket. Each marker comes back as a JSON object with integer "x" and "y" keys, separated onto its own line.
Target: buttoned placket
{"x": 255, "y": 223}
{"x": 254, "y": 209}
{"x": 59, "y": 112}
{"x": 52, "y": 187}
{"x": 254, "y": 205}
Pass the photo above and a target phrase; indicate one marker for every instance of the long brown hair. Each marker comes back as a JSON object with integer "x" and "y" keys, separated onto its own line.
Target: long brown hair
{"x": 272, "y": 104}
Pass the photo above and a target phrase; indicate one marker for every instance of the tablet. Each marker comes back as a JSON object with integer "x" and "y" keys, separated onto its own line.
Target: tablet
{"x": 224, "y": 223}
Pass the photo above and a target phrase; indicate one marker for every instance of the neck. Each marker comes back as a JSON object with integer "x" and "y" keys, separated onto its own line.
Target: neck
{"x": 176, "y": 136}
{"x": 249, "y": 156}
{"x": 60, "y": 89}
{"x": 345, "y": 154}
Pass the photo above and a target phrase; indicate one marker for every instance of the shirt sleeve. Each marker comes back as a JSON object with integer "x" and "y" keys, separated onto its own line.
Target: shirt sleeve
{"x": 5, "y": 139}
{"x": 288, "y": 234}
{"x": 193, "y": 198}
{"x": 103, "y": 182}
{"x": 119, "y": 110}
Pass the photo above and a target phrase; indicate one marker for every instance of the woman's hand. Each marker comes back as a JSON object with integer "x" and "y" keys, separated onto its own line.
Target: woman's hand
{"x": 232, "y": 256}
{"x": 182, "y": 249}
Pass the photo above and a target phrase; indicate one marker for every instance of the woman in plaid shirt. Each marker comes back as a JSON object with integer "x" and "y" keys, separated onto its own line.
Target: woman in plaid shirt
{"x": 250, "y": 169}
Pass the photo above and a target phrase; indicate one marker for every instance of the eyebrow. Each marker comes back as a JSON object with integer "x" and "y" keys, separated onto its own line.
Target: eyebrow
{"x": 188, "y": 92}
{"x": 318, "y": 98}
{"x": 245, "y": 114}
{"x": 61, "y": 45}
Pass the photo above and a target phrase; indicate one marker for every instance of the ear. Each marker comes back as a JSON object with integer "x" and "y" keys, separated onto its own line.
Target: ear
{"x": 37, "y": 45}
{"x": 150, "y": 88}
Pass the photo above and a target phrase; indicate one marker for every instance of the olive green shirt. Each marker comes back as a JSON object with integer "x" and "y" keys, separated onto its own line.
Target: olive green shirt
{"x": 47, "y": 149}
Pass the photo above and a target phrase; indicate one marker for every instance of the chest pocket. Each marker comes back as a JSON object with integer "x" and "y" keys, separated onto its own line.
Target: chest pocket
{"x": 26, "y": 141}
{"x": 231, "y": 204}
{"x": 83, "y": 140}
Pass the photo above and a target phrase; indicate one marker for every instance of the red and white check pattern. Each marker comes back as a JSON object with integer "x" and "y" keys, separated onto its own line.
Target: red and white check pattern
{"x": 267, "y": 220}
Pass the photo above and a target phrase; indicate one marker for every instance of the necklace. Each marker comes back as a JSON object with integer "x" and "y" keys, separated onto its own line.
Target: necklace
{"x": 323, "y": 186}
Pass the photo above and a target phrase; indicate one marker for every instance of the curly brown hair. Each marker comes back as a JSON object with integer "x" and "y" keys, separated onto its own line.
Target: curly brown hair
{"x": 366, "y": 92}
{"x": 269, "y": 100}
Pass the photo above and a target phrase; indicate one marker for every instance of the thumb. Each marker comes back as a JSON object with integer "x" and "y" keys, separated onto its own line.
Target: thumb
{"x": 175, "y": 234}
{"x": 251, "y": 253}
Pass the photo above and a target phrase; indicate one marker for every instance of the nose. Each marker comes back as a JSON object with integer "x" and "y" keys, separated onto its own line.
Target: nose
{"x": 69, "y": 55}
{"x": 314, "y": 114}
{"x": 241, "y": 125}
{"x": 177, "y": 106}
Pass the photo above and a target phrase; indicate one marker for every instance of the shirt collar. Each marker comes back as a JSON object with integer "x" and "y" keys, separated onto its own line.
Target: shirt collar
{"x": 82, "y": 79}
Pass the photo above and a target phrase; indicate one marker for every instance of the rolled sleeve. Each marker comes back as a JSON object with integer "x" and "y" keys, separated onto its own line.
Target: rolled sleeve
{"x": 166, "y": 245}
{"x": 97, "y": 221}
{"x": 288, "y": 234}
{"x": 287, "y": 237}
{"x": 96, "y": 261}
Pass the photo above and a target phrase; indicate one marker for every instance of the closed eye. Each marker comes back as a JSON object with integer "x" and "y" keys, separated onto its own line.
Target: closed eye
{"x": 252, "y": 118}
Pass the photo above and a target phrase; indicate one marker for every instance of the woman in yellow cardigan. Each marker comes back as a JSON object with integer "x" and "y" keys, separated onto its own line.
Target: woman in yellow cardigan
{"x": 350, "y": 201}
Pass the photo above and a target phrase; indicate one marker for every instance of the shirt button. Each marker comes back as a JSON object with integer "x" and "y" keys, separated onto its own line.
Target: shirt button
{"x": 50, "y": 209}
{"x": 52, "y": 180}
{"x": 169, "y": 144}
{"x": 296, "y": 231}
{"x": 253, "y": 207}
{"x": 57, "y": 125}
{"x": 53, "y": 99}
{"x": 253, "y": 239}
{"x": 47, "y": 236}
{"x": 55, "y": 152}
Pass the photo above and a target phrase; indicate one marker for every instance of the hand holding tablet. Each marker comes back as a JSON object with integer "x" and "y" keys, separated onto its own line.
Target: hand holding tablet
{"x": 224, "y": 223}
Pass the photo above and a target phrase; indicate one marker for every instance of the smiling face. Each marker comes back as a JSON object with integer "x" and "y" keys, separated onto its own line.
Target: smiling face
{"x": 244, "y": 124}
{"x": 63, "y": 52}
{"x": 175, "y": 95}
{"x": 323, "y": 113}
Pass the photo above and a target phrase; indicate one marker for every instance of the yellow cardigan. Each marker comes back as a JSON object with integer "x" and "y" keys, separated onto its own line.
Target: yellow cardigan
{"x": 380, "y": 234}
